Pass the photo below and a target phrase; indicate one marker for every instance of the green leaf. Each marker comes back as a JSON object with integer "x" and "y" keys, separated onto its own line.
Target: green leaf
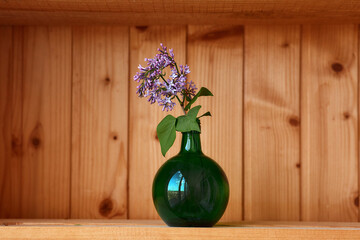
{"x": 188, "y": 122}
{"x": 166, "y": 133}
{"x": 205, "y": 114}
{"x": 194, "y": 111}
{"x": 202, "y": 92}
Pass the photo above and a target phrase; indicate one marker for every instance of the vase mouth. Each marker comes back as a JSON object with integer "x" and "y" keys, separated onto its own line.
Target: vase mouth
{"x": 190, "y": 142}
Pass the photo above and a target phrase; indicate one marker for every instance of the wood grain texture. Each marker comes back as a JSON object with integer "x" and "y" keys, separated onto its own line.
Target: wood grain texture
{"x": 188, "y": 6}
{"x": 329, "y": 112}
{"x": 358, "y": 146}
{"x": 178, "y": 12}
{"x": 45, "y": 173}
{"x": 11, "y": 147}
{"x": 272, "y": 125}
{"x": 160, "y": 223}
{"x": 215, "y": 57}
{"x": 100, "y": 122}
{"x": 25, "y": 17}
{"x": 145, "y": 157}
{"x": 125, "y": 229}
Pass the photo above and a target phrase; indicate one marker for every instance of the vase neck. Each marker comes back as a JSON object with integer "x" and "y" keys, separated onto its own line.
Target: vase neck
{"x": 190, "y": 142}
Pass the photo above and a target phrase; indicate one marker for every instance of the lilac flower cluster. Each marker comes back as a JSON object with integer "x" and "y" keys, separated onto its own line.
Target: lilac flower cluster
{"x": 158, "y": 89}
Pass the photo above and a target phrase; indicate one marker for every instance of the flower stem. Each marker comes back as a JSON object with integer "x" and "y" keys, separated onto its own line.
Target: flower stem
{"x": 177, "y": 69}
{"x": 164, "y": 79}
{"x": 181, "y": 105}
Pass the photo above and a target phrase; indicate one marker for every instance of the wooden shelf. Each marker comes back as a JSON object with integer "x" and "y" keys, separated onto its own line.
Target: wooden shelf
{"x": 150, "y": 229}
{"x": 144, "y": 12}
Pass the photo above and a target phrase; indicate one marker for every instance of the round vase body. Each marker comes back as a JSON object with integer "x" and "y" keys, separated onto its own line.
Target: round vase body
{"x": 190, "y": 189}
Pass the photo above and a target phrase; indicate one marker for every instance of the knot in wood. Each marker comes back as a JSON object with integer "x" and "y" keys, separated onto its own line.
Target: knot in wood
{"x": 337, "y": 67}
{"x": 285, "y": 45}
{"x": 346, "y": 115}
{"x": 142, "y": 28}
{"x": 356, "y": 201}
{"x": 294, "y": 121}
{"x": 107, "y": 80}
{"x": 35, "y": 142}
{"x": 105, "y": 207}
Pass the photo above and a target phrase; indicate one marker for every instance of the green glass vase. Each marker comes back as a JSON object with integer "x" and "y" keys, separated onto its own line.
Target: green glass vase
{"x": 190, "y": 189}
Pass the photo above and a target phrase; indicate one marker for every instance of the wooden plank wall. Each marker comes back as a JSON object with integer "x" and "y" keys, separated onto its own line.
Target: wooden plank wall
{"x": 271, "y": 127}
{"x": 99, "y": 125}
{"x": 76, "y": 141}
{"x": 35, "y": 122}
{"x": 329, "y": 133}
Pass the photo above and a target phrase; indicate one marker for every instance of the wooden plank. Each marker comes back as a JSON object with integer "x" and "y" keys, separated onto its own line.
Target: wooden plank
{"x": 215, "y": 57}
{"x": 226, "y": 6}
{"x": 281, "y": 7}
{"x": 35, "y": 147}
{"x": 329, "y": 112}
{"x": 11, "y": 142}
{"x": 144, "y": 149}
{"x": 100, "y": 122}
{"x": 271, "y": 123}
{"x": 45, "y": 176}
{"x": 91, "y": 222}
{"x": 179, "y": 12}
{"x": 158, "y": 223}
{"x": 247, "y": 16}
{"x": 125, "y": 229}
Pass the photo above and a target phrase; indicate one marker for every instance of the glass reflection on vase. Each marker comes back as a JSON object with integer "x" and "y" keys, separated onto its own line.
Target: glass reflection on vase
{"x": 177, "y": 189}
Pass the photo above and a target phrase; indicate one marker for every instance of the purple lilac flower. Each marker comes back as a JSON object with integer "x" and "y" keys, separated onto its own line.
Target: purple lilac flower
{"x": 153, "y": 85}
{"x": 190, "y": 89}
